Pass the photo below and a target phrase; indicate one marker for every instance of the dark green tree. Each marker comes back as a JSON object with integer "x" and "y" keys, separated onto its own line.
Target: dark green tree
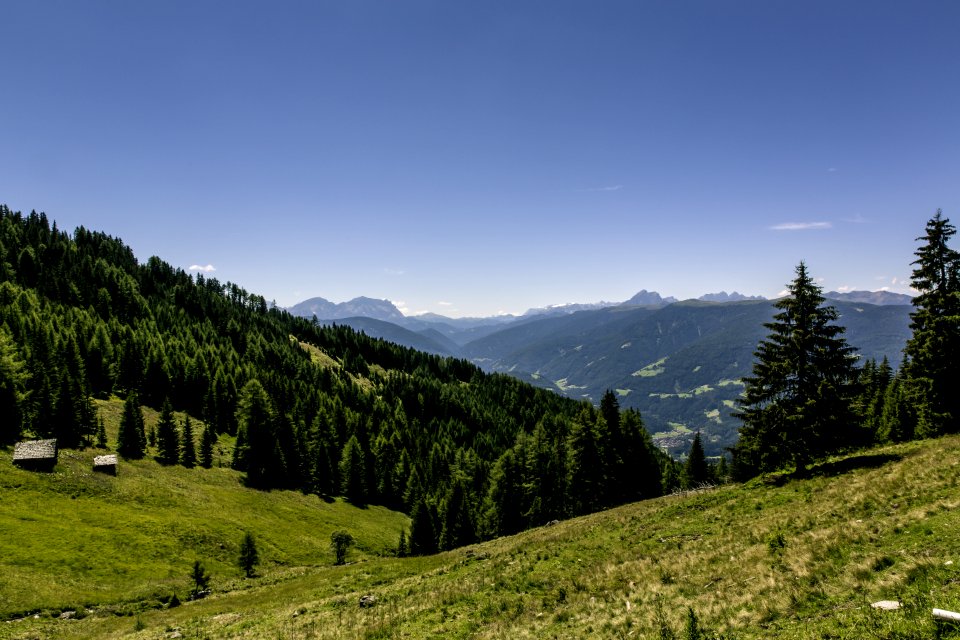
{"x": 932, "y": 366}
{"x": 641, "y": 464}
{"x": 340, "y": 542}
{"x": 797, "y": 404}
{"x": 547, "y": 474}
{"x": 131, "y": 439}
{"x": 403, "y": 547}
{"x": 588, "y": 468}
{"x": 188, "y": 450}
{"x": 208, "y": 440}
{"x": 423, "y": 537}
{"x": 456, "y": 517}
{"x": 353, "y": 472}
{"x": 249, "y": 557}
{"x": 696, "y": 472}
{"x": 257, "y": 451}
{"x": 898, "y": 420}
{"x": 200, "y": 578}
{"x": 504, "y": 510}
{"x": 101, "y": 433}
{"x": 168, "y": 440}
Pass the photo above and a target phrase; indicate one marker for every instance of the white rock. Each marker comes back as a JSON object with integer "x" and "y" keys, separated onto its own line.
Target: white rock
{"x": 886, "y": 605}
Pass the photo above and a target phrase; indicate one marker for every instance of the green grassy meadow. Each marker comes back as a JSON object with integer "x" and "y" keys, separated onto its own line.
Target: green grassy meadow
{"x": 775, "y": 558}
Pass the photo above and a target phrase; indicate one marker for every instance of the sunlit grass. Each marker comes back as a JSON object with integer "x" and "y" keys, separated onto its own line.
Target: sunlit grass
{"x": 775, "y": 558}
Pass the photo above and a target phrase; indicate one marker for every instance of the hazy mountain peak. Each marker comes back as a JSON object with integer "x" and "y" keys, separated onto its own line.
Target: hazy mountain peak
{"x": 644, "y": 298}
{"x": 358, "y": 307}
{"x": 723, "y": 296}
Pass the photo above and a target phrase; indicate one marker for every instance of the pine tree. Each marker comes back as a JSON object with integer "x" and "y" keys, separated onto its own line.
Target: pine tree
{"x": 588, "y": 468}
{"x": 131, "y": 440}
{"x": 168, "y": 442}
{"x": 695, "y": 470}
{"x": 931, "y": 352}
{"x": 101, "y": 433}
{"x": 504, "y": 507}
{"x": 403, "y": 549}
{"x": 207, "y": 442}
{"x": 644, "y": 476}
{"x": 898, "y": 420}
{"x": 797, "y": 404}
{"x": 249, "y": 557}
{"x": 423, "y": 537}
{"x": 257, "y": 451}
{"x": 457, "y": 526}
{"x": 200, "y": 578}
{"x": 188, "y": 451}
{"x": 353, "y": 472}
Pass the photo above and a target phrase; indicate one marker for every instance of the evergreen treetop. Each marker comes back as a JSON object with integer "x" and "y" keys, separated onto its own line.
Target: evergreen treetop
{"x": 931, "y": 366}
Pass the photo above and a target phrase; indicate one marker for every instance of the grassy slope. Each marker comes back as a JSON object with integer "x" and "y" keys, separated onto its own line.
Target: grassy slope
{"x": 800, "y": 560}
{"x": 73, "y": 537}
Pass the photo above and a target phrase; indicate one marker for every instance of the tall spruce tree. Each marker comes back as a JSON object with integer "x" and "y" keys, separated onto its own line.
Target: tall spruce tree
{"x": 931, "y": 352}
{"x": 797, "y": 404}
{"x": 168, "y": 440}
{"x": 188, "y": 450}
{"x": 131, "y": 438}
{"x": 423, "y": 531}
{"x": 588, "y": 468}
{"x": 257, "y": 451}
{"x": 695, "y": 470}
{"x": 207, "y": 442}
{"x": 353, "y": 472}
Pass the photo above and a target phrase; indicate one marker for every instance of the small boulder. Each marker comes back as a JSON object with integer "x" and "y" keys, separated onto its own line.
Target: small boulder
{"x": 886, "y": 605}
{"x": 68, "y": 615}
{"x": 367, "y": 601}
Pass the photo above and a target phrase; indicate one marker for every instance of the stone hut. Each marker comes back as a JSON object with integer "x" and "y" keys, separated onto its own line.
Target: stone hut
{"x": 106, "y": 464}
{"x": 35, "y": 455}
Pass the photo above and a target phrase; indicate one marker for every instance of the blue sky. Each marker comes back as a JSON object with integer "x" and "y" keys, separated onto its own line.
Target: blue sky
{"x": 471, "y": 158}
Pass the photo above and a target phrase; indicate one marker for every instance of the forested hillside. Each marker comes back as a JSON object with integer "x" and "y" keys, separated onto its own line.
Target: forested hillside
{"x": 325, "y": 410}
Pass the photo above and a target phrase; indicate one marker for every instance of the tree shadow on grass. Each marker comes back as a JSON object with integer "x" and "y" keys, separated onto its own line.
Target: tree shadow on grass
{"x": 846, "y": 465}
{"x": 833, "y": 468}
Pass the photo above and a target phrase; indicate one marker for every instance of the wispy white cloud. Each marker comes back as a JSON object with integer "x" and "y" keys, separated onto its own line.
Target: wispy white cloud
{"x": 783, "y": 293}
{"x": 832, "y": 170}
{"x": 845, "y": 288}
{"x": 443, "y": 303}
{"x": 205, "y": 268}
{"x": 394, "y": 272}
{"x": 401, "y": 306}
{"x": 800, "y": 226}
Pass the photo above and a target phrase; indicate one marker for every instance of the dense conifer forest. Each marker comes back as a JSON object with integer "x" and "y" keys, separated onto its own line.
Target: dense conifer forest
{"x": 324, "y": 410}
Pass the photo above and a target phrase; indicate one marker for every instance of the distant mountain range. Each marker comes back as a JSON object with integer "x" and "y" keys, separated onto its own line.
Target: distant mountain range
{"x": 679, "y": 363}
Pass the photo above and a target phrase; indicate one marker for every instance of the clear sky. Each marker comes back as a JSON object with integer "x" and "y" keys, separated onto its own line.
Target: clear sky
{"x": 470, "y": 158}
